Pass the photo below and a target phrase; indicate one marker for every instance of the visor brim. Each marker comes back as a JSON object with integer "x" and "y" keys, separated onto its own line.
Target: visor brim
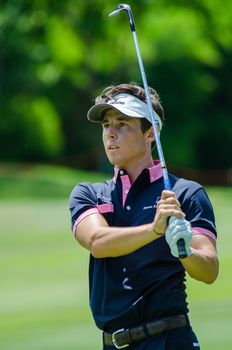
{"x": 97, "y": 112}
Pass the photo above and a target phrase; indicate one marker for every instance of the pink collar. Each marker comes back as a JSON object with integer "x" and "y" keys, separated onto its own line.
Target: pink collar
{"x": 155, "y": 172}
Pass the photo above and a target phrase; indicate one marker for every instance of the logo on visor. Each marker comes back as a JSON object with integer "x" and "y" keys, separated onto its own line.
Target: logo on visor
{"x": 115, "y": 100}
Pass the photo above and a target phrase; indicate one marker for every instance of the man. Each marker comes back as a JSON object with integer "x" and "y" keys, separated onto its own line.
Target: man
{"x": 137, "y": 290}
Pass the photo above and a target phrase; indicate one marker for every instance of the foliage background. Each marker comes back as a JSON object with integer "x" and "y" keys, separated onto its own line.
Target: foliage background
{"x": 57, "y": 55}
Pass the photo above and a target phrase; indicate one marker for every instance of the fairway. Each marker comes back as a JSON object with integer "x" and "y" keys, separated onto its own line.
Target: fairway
{"x": 44, "y": 287}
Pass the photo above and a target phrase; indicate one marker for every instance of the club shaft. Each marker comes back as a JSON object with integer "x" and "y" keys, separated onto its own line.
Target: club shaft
{"x": 166, "y": 180}
{"x": 167, "y": 185}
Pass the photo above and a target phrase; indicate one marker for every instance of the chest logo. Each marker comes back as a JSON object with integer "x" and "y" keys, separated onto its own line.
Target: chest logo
{"x": 153, "y": 206}
{"x": 103, "y": 199}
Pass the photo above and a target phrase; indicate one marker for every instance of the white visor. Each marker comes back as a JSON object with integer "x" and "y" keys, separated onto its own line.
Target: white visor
{"x": 126, "y": 104}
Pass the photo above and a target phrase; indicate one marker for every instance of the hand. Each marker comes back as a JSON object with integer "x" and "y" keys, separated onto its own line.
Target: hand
{"x": 179, "y": 228}
{"x": 167, "y": 206}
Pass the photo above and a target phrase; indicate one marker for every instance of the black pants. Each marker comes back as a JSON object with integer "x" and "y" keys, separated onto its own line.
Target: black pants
{"x": 175, "y": 339}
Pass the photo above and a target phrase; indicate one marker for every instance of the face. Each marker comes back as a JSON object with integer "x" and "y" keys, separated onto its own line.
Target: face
{"x": 124, "y": 142}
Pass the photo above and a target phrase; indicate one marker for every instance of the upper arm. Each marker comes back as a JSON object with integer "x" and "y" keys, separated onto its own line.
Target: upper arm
{"x": 204, "y": 244}
{"x": 199, "y": 212}
{"x": 82, "y": 202}
{"x": 203, "y": 264}
{"x": 86, "y": 230}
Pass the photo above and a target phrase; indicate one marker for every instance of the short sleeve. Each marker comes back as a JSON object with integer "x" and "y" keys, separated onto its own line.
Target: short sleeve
{"x": 82, "y": 198}
{"x": 196, "y": 205}
{"x": 200, "y": 212}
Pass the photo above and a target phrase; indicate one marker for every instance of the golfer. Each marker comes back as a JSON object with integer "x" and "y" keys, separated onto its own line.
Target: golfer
{"x": 131, "y": 226}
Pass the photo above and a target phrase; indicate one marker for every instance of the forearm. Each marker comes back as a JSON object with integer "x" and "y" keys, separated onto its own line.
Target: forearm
{"x": 117, "y": 241}
{"x": 203, "y": 264}
{"x": 104, "y": 241}
{"x": 94, "y": 233}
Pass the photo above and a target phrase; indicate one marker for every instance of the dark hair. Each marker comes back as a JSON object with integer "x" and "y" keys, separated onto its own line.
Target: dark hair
{"x": 134, "y": 89}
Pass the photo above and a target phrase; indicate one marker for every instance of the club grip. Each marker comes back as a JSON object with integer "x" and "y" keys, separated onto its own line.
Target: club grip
{"x": 181, "y": 249}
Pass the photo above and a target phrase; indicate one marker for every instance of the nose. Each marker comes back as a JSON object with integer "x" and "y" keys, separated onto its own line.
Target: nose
{"x": 111, "y": 132}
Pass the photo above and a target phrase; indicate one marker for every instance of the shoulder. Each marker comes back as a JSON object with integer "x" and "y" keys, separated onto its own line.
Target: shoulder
{"x": 82, "y": 188}
{"x": 188, "y": 191}
{"x": 184, "y": 187}
{"x": 88, "y": 190}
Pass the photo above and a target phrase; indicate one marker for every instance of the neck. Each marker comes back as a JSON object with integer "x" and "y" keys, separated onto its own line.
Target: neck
{"x": 134, "y": 170}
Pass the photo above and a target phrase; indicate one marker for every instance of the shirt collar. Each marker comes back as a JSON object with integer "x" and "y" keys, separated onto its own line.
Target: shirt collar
{"x": 155, "y": 172}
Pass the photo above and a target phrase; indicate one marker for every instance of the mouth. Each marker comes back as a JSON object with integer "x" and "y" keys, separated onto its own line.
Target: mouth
{"x": 112, "y": 147}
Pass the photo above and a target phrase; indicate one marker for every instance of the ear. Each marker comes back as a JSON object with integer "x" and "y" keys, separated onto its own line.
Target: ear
{"x": 150, "y": 135}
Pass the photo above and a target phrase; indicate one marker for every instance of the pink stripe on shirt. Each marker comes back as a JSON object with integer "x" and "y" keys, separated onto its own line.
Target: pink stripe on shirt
{"x": 101, "y": 208}
{"x": 105, "y": 208}
{"x": 204, "y": 232}
{"x": 82, "y": 216}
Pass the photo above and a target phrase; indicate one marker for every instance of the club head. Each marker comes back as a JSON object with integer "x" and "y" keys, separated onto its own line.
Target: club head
{"x": 125, "y": 7}
{"x": 119, "y": 8}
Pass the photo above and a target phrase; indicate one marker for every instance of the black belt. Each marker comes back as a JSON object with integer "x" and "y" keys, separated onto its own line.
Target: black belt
{"x": 124, "y": 337}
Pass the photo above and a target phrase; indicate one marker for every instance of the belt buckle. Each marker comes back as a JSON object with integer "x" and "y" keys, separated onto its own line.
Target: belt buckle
{"x": 114, "y": 341}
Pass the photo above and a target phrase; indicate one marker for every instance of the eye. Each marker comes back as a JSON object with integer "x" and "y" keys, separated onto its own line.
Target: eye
{"x": 105, "y": 125}
{"x": 122, "y": 123}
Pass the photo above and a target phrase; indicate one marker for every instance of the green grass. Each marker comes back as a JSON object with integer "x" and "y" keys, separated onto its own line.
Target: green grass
{"x": 44, "y": 291}
{"x": 40, "y": 181}
{"x": 44, "y": 286}
{"x": 211, "y": 305}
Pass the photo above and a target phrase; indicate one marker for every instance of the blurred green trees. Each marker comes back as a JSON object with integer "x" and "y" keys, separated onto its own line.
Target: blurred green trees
{"x": 56, "y": 56}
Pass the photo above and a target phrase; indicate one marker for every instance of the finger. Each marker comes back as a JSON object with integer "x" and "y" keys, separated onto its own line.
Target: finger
{"x": 176, "y": 238}
{"x": 175, "y": 221}
{"x": 179, "y": 229}
{"x": 180, "y": 235}
{"x": 179, "y": 224}
{"x": 169, "y": 208}
{"x": 169, "y": 200}
{"x": 167, "y": 205}
{"x": 171, "y": 211}
{"x": 167, "y": 194}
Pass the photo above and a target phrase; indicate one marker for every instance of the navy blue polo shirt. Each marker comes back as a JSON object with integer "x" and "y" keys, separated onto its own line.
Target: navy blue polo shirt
{"x": 149, "y": 283}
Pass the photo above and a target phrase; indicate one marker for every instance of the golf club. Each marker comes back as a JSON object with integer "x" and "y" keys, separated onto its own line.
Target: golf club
{"x": 167, "y": 185}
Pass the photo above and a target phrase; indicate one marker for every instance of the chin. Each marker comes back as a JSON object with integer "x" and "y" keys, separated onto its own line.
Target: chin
{"x": 116, "y": 162}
